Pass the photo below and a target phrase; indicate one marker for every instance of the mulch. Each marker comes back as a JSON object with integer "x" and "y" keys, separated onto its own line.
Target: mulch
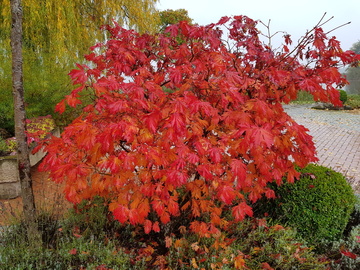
{"x": 48, "y": 196}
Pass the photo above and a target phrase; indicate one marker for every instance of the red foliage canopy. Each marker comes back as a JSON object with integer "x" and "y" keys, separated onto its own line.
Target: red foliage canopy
{"x": 186, "y": 122}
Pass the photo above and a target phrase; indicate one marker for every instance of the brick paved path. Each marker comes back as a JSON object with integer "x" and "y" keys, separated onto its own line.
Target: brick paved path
{"x": 337, "y": 138}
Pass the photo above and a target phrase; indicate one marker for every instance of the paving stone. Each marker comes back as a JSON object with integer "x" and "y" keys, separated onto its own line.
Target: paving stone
{"x": 336, "y": 135}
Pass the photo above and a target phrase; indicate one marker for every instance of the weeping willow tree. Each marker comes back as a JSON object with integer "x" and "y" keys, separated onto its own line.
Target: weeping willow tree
{"x": 56, "y": 34}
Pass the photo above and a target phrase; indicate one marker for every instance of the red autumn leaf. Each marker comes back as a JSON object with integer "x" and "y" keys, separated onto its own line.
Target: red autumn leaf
{"x": 60, "y": 107}
{"x": 147, "y": 226}
{"x": 73, "y": 251}
{"x": 121, "y": 214}
{"x": 266, "y": 266}
{"x": 78, "y": 76}
{"x": 177, "y": 122}
{"x": 205, "y": 171}
{"x": 270, "y": 194}
{"x": 288, "y": 40}
{"x": 193, "y": 158}
{"x": 118, "y": 106}
{"x": 223, "y": 20}
{"x": 156, "y": 227}
{"x": 152, "y": 120}
{"x": 165, "y": 217}
{"x": 72, "y": 100}
{"x": 319, "y": 39}
{"x": 241, "y": 210}
{"x": 133, "y": 216}
{"x": 226, "y": 194}
{"x": 173, "y": 207}
{"x": 176, "y": 76}
{"x": 238, "y": 168}
{"x": 215, "y": 155}
{"x": 349, "y": 254}
{"x": 77, "y": 235}
{"x": 158, "y": 206}
{"x": 173, "y": 30}
{"x": 262, "y": 136}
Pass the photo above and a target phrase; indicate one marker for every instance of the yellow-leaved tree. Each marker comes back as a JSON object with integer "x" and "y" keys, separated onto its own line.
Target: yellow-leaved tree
{"x": 56, "y": 34}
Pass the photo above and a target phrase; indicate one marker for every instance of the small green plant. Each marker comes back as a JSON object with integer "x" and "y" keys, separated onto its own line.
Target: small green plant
{"x": 8, "y": 146}
{"x": 343, "y": 96}
{"x": 346, "y": 253}
{"x": 91, "y": 218}
{"x": 3, "y": 147}
{"x": 11, "y": 144}
{"x": 354, "y": 220}
{"x": 318, "y": 205}
{"x": 37, "y": 128}
{"x": 274, "y": 247}
{"x": 6, "y": 112}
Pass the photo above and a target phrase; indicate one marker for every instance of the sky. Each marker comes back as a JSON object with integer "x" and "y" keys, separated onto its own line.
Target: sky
{"x": 293, "y": 17}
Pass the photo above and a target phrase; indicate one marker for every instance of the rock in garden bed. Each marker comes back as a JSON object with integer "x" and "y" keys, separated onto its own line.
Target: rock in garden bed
{"x": 329, "y": 106}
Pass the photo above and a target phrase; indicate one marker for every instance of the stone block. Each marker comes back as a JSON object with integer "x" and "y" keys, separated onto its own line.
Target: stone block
{"x": 10, "y": 190}
{"x": 8, "y": 170}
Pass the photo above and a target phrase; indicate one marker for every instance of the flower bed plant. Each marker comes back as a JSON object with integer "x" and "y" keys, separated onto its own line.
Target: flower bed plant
{"x": 37, "y": 128}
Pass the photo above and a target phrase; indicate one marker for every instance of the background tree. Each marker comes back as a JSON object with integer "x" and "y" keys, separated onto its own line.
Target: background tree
{"x": 20, "y": 126}
{"x": 169, "y": 17}
{"x": 52, "y": 36}
{"x": 182, "y": 160}
{"x": 56, "y": 33}
{"x": 353, "y": 73}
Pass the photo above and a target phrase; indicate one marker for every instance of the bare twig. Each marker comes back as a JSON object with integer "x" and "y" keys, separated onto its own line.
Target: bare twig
{"x": 269, "y": 36}
{"x": 308, "y": 37}
{"x": 337, "y": 27}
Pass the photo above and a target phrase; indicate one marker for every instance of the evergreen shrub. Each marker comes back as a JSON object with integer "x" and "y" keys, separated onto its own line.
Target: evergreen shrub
{"x": 343, "y": 96}
{"x": 318, "y": 204}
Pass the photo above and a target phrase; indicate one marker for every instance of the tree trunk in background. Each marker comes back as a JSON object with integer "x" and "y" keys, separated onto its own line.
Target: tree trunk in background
{"x": 20, "y": 124}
